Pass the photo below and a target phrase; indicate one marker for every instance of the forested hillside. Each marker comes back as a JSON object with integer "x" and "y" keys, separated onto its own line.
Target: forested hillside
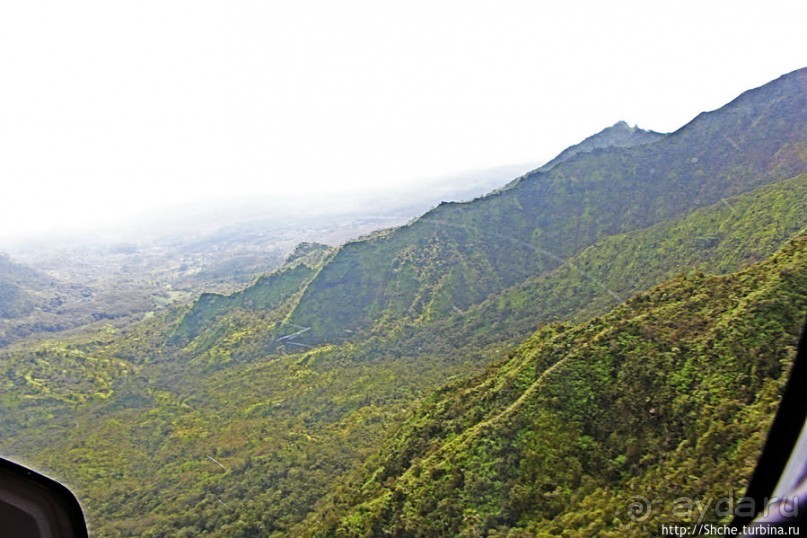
{"x": 669, "y": 395}
{"x": 457, "y": 255}
{"x": 21, "y": 289}
{"x": 305, "y": 403}
{"x": 112, "y": 412}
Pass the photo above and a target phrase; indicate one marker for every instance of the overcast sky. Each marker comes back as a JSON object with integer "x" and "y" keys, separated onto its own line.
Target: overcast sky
{"x": 111, "y": 108}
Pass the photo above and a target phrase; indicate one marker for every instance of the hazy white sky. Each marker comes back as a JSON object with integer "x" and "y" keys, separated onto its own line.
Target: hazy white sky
{"x": 110, "y": 108}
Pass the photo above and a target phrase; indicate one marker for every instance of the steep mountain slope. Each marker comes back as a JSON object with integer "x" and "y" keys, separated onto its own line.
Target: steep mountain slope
{"x": 267, "y": 294}
{"x": 669, "y": 395}
{"x": 458, "y": 254}
{"x": 125, "y": 422}
{"x": 210, "y": 422}
{"x": 619, "y": 135}
{"x": 20, "y": 287}
{"x": 719, "y": 239}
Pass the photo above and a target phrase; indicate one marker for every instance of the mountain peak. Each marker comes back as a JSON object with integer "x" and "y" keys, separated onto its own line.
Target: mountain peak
{"x": 620, "y": 135}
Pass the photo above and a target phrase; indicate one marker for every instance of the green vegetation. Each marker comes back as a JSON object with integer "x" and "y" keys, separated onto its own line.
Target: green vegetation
{"x": 669, "y": 395}
{"x": 21, "y": 289}
{"x": 303, "y": 419}
{"x": 398, "y": 383}
{"x": 268, "y": 293}
{"x": 457, "y": 255}
{"x": 719, "y": 239}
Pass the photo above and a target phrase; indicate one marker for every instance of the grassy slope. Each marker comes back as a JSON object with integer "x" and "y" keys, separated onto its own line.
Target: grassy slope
{"x": 135, "y": 443}
{"x": 667, "y": 396}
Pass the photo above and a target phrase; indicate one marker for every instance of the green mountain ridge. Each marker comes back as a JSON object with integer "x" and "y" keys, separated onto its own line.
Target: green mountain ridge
{"x": 679, "y": 382}
{"x": 719, "y": 239}
{"x": 269, "y": 415}
{"x": 458, "y": 254}
{"x": 619, "y": 135}
{"x": 267, "y": 293}
{"x": 240, "y": 415}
